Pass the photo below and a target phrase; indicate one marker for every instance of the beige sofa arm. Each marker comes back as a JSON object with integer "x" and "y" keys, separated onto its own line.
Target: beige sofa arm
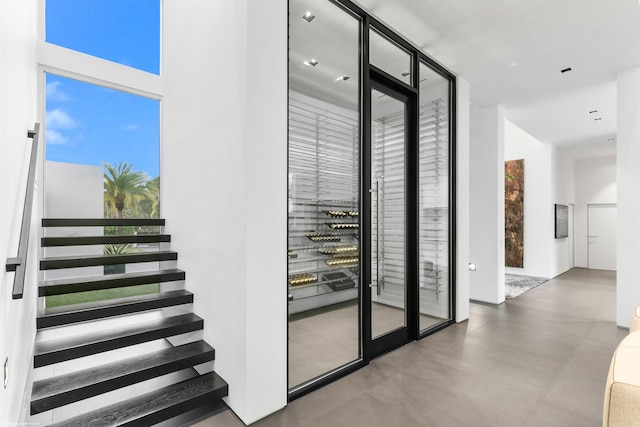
{"x": 622, "y": 394}
{"x": 635, "y": 321}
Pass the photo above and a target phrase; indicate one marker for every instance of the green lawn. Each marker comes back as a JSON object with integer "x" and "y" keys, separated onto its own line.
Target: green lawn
{"x": 91, "y": 296}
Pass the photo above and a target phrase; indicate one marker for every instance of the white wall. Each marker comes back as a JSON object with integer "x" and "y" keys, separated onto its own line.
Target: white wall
{"x": 562, "y": 192}
{"x": 73, "y": 191}
{"x": 18, "y": 112}
{"x": 224, "y": 134}
{"x": 538, "y": 203}
{"x": 628, "y": 177}
{"x": 486, "y": 204}
{"x": 462, "y": 199}
{"x": 595, "y": 183}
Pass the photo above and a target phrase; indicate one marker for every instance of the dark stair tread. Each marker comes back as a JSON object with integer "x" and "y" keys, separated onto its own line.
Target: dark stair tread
{"x": 59, "y": 350}
{"x": 101, "y": 222}
{"x": 53, "y": 263}
{"x": 63, "y": 390}
{"x": 66, "y": 315}
{"x": 103, "y": 240}
{"x": 94, "y": 283}
{"x": 156, "y": 406}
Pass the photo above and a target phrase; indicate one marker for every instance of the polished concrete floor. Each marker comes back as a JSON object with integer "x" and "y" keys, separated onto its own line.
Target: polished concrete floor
{"x": 328, "y": 339}
{"x": 538, "y": 360}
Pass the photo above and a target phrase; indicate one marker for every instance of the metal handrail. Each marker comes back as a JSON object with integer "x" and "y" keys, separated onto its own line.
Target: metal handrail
{"x": 18, "y": 264}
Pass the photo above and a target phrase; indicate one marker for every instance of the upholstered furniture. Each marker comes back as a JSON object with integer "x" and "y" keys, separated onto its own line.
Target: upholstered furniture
{"x": 635, "y": 322}
{"x": 622, "y": 394}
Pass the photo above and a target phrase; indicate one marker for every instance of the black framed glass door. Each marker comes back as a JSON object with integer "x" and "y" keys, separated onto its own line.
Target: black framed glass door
{"x": 391, "y": 297}
{"x": 371, "y": 177}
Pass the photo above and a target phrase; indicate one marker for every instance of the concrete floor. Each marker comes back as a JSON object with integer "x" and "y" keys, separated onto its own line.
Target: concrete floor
{"x": 328, "y": 339}
{"x": 538, "y": 360}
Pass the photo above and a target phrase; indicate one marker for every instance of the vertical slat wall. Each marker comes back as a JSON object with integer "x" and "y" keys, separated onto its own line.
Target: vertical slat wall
{"x": 388, "y": 209}
{"x": 323, "y": 176}
{"x": 434, "y": 208}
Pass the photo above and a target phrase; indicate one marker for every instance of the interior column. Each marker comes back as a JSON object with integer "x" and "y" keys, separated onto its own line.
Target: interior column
{"x": 628, "y": 158}
{"x": 486, "y": 204}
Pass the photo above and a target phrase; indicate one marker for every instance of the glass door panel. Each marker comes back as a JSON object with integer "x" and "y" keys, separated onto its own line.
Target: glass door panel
{"x": 433, "y": 202}
{"x": 324, "y": 192}
{"x": 388, "y": 283}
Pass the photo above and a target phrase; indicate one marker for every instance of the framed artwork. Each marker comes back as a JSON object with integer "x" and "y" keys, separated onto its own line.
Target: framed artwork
{"x": 514, "y": 213}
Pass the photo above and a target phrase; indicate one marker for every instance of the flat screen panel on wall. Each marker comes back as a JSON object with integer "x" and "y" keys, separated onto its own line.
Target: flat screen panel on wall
{"x": 561, "y": 221}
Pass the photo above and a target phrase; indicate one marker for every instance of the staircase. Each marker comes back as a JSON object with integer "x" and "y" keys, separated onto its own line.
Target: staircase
{"x": 130, "y": 360}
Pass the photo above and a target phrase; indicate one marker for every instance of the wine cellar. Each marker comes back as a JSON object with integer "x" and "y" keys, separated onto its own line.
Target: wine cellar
{"x": 323, "y": 204}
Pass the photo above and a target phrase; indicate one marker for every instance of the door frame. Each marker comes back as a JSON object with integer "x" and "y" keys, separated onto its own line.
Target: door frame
{"x": 383, "y": 82}
{"x": 572, "y": 240}
{"x": 589, "y": 205}
{"x": 367, "y": 21}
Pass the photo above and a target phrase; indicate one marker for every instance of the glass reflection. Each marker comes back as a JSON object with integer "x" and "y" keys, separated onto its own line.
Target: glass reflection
{"x": 387, "y": 213}
{"x": 389, "y": 57}
{"x": 434, "y": 198}
{"x": 323, "y": 252}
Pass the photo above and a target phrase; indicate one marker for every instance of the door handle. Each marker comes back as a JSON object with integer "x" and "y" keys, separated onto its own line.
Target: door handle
{"x": 378, "y": 191}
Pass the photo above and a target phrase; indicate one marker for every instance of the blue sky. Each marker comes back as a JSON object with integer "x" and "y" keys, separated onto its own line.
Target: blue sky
{"x": 90, "y": 124}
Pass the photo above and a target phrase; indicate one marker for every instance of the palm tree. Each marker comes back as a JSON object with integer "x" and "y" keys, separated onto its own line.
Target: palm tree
{"x": 153, "y": 194}
{"x": 123, "y": 187}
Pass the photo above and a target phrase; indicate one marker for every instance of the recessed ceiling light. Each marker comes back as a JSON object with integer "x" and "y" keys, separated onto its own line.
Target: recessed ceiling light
{"x": 593, "y": 111}
{"x": 308, "y": 16}
{"x": 405, "y": 74}
{"x": 344, "y": 78}
{"x": 565, "y": 70}
{"x": 312, "y": 62}
{"x": 599, "y": 118}
{"x": 610, "y": 139}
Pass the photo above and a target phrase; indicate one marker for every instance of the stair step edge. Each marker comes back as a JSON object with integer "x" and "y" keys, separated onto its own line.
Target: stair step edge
{"x": 103, "y": 240}
{"x": 66, "y": 389}
{"x": 156, "y": 406}
{"x": 110, "y": 281}
{"x": 53, "y": 263}
{"x": 60, "y": 350}
{"x": 101, "y": 222}
{"x": 112, "y": 308}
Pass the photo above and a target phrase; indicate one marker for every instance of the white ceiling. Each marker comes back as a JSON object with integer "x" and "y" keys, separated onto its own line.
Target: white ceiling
{"x": 512, "y": 51}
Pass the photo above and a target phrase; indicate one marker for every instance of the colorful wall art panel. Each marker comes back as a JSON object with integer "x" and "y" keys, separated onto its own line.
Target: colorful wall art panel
{"x": 514, "y": 213}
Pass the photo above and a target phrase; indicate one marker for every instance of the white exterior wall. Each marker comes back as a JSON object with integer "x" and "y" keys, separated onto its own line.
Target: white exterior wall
{"x": 486, "y": 203}
{"x": 223, "y": 162}
{"x": 18, "y": 113}
{"x": 73, "y": 191}
{"x": 595, "y": 183}
{"x": 628, "y": 177}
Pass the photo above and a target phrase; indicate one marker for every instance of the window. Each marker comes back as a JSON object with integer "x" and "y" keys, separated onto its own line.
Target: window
{"x": 95, "y": 126}
{"x": 122, "y": 31}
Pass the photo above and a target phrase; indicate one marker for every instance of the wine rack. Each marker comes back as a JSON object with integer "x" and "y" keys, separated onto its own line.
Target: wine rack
{"x": 323, "y": 208}
{"x": 434, "y": 207}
